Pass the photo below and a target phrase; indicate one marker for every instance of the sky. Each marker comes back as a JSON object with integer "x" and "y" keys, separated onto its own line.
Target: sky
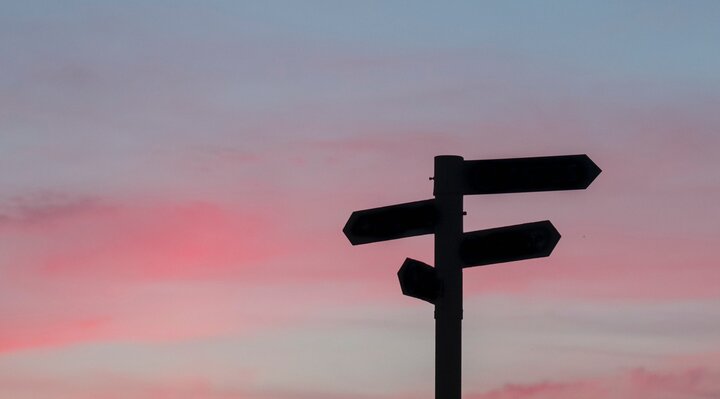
{"x": 175, "y": 177}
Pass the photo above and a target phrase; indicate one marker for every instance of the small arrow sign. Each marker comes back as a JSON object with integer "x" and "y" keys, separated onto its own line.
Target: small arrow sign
{"x": 515, "y": 175}
{"x": 419, "y": 280}
{"x": 507, "y": 244}
{"x": 391, "y": 222}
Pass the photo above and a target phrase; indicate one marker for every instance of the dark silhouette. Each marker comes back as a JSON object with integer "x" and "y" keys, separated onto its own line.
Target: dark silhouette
{"x": 442, "y": 285}
{"x": 508, "y": 244}
{"x": 419, "y": 280}
{"x": 391, "y": 222}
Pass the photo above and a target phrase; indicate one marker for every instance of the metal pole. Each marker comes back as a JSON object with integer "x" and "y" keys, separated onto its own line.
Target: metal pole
{"x": 448, "y": 307}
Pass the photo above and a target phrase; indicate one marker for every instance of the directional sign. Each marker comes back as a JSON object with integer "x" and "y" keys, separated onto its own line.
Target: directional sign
{"x": 391, "y": 222}
{"x": 443, "y": 216}
{"x": 514, "y": 175}
{"x": 419, "y": 280}
{"x": 507, "y": 244}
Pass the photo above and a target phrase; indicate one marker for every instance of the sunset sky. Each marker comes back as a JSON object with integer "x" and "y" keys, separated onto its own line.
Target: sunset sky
{"x": 175, "y": 177}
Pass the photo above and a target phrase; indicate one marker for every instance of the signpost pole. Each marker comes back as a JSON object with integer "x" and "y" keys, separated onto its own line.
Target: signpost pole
{"x": 448, "y": 306}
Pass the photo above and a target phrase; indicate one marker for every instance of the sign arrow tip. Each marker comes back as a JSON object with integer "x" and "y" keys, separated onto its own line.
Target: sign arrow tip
{"x": 591, "y": 170}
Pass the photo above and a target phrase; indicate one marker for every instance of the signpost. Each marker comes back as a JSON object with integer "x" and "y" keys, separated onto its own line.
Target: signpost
{"x": 454, "y": 250}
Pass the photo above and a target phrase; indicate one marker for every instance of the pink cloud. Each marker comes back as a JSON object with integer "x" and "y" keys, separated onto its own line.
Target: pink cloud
{"x": 32, "y": 332}
{"x": 116, "y": 387}
{"x": 695, "y": 382}
{"x": 83, "y": 270}
{"x": 109, "y": 386}
{"x": 541, "y": 390}
{"x": 635, "y": 383}
{"x": 91, "y": 240}
{"x": 639, "y": 383}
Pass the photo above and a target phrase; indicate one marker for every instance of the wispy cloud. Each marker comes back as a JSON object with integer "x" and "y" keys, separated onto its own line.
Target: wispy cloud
{"x": 46, "y": 208}
{"x": 637, "y": 383}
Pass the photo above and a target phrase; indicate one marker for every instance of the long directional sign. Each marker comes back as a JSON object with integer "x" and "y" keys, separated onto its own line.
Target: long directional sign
{"x": 391, "y": 222}
{"x": 515, "y": 175}
{"x": 508, "y": 244}
{"x": 454, "y": 250}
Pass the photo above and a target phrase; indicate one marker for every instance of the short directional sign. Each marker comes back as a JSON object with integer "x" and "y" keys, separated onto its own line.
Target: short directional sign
{"x": 508, "y": 244}
{"x": 454, "y": 250}
{"x": 419, "y": 280}
{"x": 391, "y": 222}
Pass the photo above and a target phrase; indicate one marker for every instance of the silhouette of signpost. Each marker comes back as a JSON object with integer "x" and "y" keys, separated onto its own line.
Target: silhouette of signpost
{"x": 454, "y": 250}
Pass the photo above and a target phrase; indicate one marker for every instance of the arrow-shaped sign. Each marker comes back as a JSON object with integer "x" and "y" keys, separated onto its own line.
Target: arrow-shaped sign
{"x": 507, "y": 244}
{"x": 391, "y": 222}
{"x": 443, "y": 216}
{"x": 515, "y": 175}
{"x": 419, "y": 280}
